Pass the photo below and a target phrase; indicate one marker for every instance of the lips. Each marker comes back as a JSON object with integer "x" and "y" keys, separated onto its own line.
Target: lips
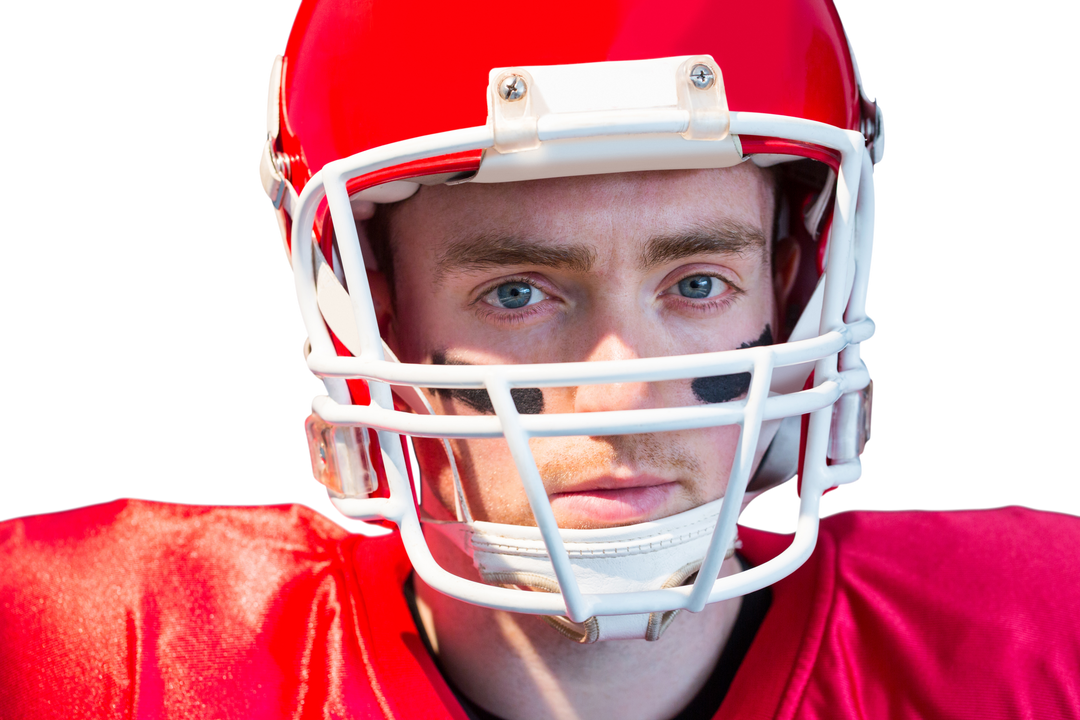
{"x": 610, "y": 501}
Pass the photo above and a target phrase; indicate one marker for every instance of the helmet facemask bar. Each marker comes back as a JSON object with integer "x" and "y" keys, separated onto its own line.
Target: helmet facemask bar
{"x": 844, "y": 292}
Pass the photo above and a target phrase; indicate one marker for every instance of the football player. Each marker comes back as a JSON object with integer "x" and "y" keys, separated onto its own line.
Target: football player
{"x": 581, "y": 281}
{"x": 626, "y": 294}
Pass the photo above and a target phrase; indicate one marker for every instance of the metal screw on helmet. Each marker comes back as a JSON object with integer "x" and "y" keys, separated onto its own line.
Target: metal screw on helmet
{"x": 702, "y": 76}
{"x": 512, "y": 87}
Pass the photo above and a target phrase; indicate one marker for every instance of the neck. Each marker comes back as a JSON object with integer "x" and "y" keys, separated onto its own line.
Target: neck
{"x": 518, "y": 667}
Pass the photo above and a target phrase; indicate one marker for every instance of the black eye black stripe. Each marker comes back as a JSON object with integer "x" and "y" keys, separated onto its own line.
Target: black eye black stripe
{"x": 530, "y": 401}
{"x": 722, "y": 388}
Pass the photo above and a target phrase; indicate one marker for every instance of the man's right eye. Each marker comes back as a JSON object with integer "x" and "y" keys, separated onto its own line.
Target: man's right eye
{"x": 514, "y": 295}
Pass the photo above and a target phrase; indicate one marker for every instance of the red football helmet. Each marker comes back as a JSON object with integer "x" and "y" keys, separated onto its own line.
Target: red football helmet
{"x": 372, "y": 100}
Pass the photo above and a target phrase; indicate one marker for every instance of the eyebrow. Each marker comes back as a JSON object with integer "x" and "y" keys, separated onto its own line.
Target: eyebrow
{"x": 723, "y": 238}
{"x": 485, "y": 252}
{"x": 489, "y": 251}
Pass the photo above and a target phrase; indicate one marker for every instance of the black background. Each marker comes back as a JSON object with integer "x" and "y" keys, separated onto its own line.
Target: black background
{"x": 153, "y": 339}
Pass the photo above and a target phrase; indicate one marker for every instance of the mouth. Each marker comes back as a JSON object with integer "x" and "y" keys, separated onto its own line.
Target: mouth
{"x": 608, "y": 502}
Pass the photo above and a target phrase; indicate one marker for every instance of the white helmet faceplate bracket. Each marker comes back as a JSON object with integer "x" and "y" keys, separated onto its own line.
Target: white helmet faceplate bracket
{"x": 652, "y": 115}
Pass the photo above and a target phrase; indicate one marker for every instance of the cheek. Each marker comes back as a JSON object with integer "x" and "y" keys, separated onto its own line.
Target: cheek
{"x": 488, "y": 476}
{"x": 491, "y": 482}
{"x": 717, "y": 448}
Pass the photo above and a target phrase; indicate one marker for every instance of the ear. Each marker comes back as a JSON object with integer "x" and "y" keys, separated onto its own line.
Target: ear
{"x": 785, "y": 271}
{"x": 384, "y": 307}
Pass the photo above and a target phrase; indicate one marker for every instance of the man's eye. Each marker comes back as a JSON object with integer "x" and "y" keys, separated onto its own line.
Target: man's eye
{"x": 513, "y": 295}
{"x": 699, "y": 287}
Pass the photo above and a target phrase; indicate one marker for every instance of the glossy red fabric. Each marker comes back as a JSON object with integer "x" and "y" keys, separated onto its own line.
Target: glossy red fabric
{"x": 145, "y": 610}
{"x": 956, "y": 615}
{"x": 135, "y": 609}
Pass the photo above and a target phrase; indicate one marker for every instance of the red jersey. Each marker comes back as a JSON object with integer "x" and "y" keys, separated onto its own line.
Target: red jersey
{"x": 139, "y": 609}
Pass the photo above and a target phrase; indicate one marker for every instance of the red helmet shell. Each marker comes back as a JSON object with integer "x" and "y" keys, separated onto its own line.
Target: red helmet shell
{"x": 358, "y": 75}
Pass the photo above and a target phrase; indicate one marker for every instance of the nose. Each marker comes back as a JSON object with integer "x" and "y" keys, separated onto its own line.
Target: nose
{"x": 618, "y": 396}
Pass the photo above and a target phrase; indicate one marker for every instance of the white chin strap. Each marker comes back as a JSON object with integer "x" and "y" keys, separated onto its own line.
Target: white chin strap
{"x": 622, "y": 559}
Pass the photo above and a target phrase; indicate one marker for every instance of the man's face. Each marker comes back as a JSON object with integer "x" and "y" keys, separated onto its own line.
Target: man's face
{"x": 578, "y": 269}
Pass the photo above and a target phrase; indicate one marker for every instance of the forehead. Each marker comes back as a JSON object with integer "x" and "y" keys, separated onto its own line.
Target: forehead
{"x": 643, "y": 204}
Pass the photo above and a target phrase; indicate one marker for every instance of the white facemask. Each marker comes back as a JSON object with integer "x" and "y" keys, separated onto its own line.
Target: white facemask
{"x": 621, "y": 559}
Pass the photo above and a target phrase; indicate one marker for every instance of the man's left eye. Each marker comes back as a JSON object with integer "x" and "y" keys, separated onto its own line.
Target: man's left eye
{"x": 514, "y": 295}
{"x": 700, "y": 287}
